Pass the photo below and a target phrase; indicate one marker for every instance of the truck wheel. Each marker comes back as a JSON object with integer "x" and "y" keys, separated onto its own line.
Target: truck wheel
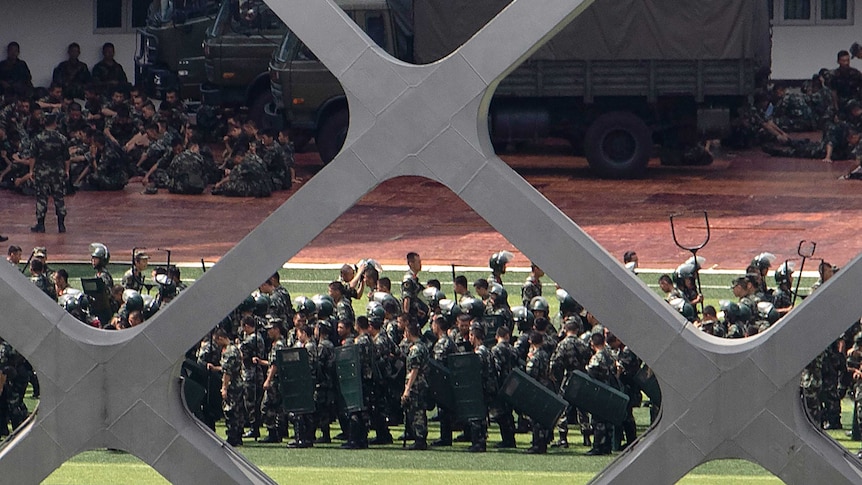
{"x": 618, "y": 145}
{"x": 333, "y": 132}
{"x": 257, "y": 109}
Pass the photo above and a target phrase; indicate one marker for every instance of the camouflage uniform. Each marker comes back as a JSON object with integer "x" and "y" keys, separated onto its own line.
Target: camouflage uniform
{"x": 343, "y": 309}
{"x": 834, "y": 367}
{"x": 479, "y": 427}
{"x": 232, "y": 406}
{"x": 835, "y": 134}
{"x": 630, "y": 364}
{"x": 112, "y": 167}
{"x": 415, "y": 405}
{"x": 50, "y": 149}
{"x": 44, "y": 283}
{"x": 411, "y": 288}
{"x": 820, "y": 102}
{"x": 812, "y": 383}
{"x": 248, "y": 179}
{"x": 132, "y": 280}
{"x": 280, "y": 304}
{"x": 571, "y": 354}
{"x": 275, "y": 160}
{"x": 443, "y": 348}
{"x": 14, "y": 368}
{"x": 271, "y": 406}
{"x": 538, "y": 367}
{"x": 854, "y": 362}
{"x": 186, "y": 174}
{"x": 304, "y": 424}
{"x": 532, "y": 288}
{"x": 601, "y": 368}
{"x": 325, "y": 387}
{"x": 252, "y": 379}
{"x": 505, "y": 361}
{"x": 385, "y": 358}
{"x": 793, "y": 113}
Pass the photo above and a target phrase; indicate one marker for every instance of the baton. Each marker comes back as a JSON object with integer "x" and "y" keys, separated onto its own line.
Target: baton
{"x": 806, "y": 253}
{"x": 693, "y": 249}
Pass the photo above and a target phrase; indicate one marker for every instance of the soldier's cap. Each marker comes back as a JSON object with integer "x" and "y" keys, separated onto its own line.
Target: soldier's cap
{"x": 40, "y": 252}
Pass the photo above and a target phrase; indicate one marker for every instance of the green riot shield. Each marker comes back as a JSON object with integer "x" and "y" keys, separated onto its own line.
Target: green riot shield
{"x": 440, "y": 385}
{"x": 348, "y": 368}
{"x": 527, "y": 396}
{"x": 466, "y": 369}
{"x": 597, "y": 398}
{"x": 100, "y": 305}
{"x": 194, "y": 395}
{"x": 295, "y": 382}
{"x": 647, "y": 382}
{"x": 199, "y": 379}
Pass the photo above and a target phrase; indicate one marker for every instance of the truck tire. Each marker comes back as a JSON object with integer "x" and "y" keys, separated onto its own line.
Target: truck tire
{"x": 257, "y": 109}
{"x": 618, "y": 145}
{"x": 331, "y": 136}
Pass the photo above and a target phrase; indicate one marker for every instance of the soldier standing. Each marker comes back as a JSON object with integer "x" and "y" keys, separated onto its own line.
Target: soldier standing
{"x": 358, "y": 429}
{"x": 251, "y": 346}
{"x": 271, "y": 409}
{"x": 602, "y": 369}
{"x": 479, "y": 427}
{"x": 324, "y": 390}
{"x": 443, "y": 348}
{"x": 416, "y": 388}
{"x": 533, "y": 286}
{"x": 133, "y": 279}
{"x": 571, "y": 354}
{"x": 410, "y": 290}
{"x": 40, "y": 279}
{"x": 538, "y": 367}
{"x": 50, "y": 170}
{"x": 385, "y": 356}
{"x": 505, "y": 360}
{"x": 230, "y": 366}
{"x": 304, "y": 423}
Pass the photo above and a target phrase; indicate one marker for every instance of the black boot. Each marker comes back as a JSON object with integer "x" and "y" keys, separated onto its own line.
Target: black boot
{"x": 61, "y": 224}
{"x": 419, "y": 444}
{"x": 272, "y": 436}
{"x": 40, "y": 225}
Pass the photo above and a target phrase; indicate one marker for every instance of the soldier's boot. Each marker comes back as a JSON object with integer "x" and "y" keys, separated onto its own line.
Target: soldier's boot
{"x": 587, "y": 434}
{"x": 630, "y": 430}
{"x": 563, "y": 442}
{"x": 325, "y": 436}
{"x": 40, "y": 225}
{"x": 507, "y": 434}
{"x": 283, "y": 428}
{"x": 419, "y": 444}
{"x": 61, "y": 224}
{"x": 445, "y": 430}
{"x": 272, "y": 436}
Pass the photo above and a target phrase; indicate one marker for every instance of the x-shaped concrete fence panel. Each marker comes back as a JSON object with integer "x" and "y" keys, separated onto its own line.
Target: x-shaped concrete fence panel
{"x": 721, "y": 399}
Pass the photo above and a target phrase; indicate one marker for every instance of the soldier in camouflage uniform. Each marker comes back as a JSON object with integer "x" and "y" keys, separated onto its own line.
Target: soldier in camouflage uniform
{"x": 251, "y": 346}
{"x": 538, "y": 367}
{"x": 416, "y": 387}
{"x": 601, "y": 368}
{"x": 479, "y": 427}
{"x": 50, "y": 171}
{"x": 275, "y": 159}
{"x": 358, "y": 434}
{"x": 110, "y": 165}
{"x": 571, "y": 354}
{"x": 385, "y": 361}
{"x": 533, "y": 286}
{"x": 208, "y": 353}
{"x": 792, "y": 111}
{"x": 304, "y": 423}
{"x": 14, "y": 377}
{"x": 41, "y": 280}
{"x": 325, "y": 387}
{"x": 343, "y": 308}
{"x": 832, "y": 371}
{"x": 186, "y": 171}
{"x": 411, "y": 288}
{"x": 271, "y": 407}
{"x": 443, "y": 348}
{"x": 505, "y": 361}
{"x": 133, "y": 278}
{"x": 854, "y": 367}
{"x": 628, "y": 365}
{"x": 230, "y": 366}
{"x": 247, "y": 178}
{"x": 839, "y": 140}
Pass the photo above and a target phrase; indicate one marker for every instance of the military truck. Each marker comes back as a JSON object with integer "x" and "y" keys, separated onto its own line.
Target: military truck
{"x": 236, "y": 53}
{"x": 167, "y": 46}
{"x": 623, "y": 76}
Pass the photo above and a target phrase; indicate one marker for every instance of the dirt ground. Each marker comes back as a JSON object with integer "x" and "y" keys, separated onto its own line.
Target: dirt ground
{"x": 754, "y": 203}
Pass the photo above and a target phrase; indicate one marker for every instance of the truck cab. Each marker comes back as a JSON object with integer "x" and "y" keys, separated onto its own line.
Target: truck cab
{"x": 166, "y": 41}
{"x": 306, "y": 96}
{"x": 236, "y": 53}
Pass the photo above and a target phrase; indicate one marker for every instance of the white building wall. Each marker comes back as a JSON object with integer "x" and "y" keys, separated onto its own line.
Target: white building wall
{"x": 45, "y": 28}
{"x": 800, "y": 51}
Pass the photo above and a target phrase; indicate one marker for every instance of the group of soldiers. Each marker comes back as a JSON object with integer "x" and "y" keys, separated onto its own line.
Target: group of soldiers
{"x": 834, "y": 374}
{"x": 399, "y": 346}
{"x": 831, "y": 103}
{"x": 52, "y": 145}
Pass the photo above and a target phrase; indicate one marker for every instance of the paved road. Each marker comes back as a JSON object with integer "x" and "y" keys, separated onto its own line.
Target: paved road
{"x": 755, "y": 203}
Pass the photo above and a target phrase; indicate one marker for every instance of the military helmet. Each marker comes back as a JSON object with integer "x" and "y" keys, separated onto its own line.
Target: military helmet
{"x": 76, "y": 303}
{"x": 134, "y": 300}
{"x": 684, "y": 308}
{"x": 539, "y": 303}
{"x": 325, "y": 306}
{"x": 684, "y": 271}
{"x": 744, "y": 313}
{"x": 499, "y": 261}
{"x": 305, "y": 305}
{"x": 473, "y": 307}
{"x": 151, "y": 306}
{"x": 500, "y": 294}
{"x": 449, "y": 309}
{"x": 763, "y": 261}
{"x": 375, "y": 313}
{"x": 783, "y": 272}
{"x": 731, "y": 311}
{"x": 522, "y": 317}
{"x": 99, "y": 250}
{"x": 568, "y": 305}
{"x": 432, "y": 296}
{"x": 261, "y": 304}
{"x": 766, "y": 311}
{"x": 853, "y": 104}
{"x": 167, "y": 288}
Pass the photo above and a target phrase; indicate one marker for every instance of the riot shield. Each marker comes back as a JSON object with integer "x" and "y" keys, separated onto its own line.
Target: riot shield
{"x": 646, "y": 381}
{"x": 100, "y": 305}
{"x": 527, "y": 396}
{"x": 440, "y": 385}
{"x": 202, "y": 389}
{"x": 349, "y": 372}
{"x": 597, "y": 398}
{"x": 466, "y": 369}
{"x": 295, "y": 382}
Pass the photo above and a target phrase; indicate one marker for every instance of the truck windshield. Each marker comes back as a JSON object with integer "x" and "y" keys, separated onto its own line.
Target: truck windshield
{"x": 287, "y": 43}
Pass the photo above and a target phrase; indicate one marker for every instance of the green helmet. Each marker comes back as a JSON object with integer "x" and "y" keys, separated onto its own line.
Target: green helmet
{"x": 783, "y": 273}
{"x": 499, "y": 261}
{"x": 568, "y": 305}
{"x": 375, "y": 313}
{"x": 78, "y": 302}
{"x": 523, "y": 318}
{"x": 763, "y": 261}
{"x": 731, "y": 311}
{"x": 449, "y": 309}
{"x": 324, "y": 305}
{"x": 539, "y": 303}
{"x": 134, "y": 300}
{"x": 472, "y": 306}
{"x": 499, "y": 293}
{"x": 684, "y": 308}
{"x": 432, "y": 296}
{"x": 247, "y": 304}
{"x": 305, "y": 305}
{"x": 261, "y": 305}
{"x": 99, "y": 250}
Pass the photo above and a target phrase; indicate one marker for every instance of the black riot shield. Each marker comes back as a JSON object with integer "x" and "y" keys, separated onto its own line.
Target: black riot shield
{"x": 100, "y": 305}
{"x": 601, "y": 400}
{"x": 202, "y": 389}
{"x": 440, "y": 385}
{"x": 295, "y": 382}
{"x": 528, "y": 396}
{"x": 466, "y": 369}
{"x": 349, "y": 372}
{"x": 647, "y": 382}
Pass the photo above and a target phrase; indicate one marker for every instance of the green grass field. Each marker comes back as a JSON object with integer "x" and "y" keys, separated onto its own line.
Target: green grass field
{"x": 391, "y": 464}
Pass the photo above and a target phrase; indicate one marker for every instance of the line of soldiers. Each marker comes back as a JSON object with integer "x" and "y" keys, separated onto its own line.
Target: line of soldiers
{"x": 827, "y": 379}
{"x": 396, "y": 360}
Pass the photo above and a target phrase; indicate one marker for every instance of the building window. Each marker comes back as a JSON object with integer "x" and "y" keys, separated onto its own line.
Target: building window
{"x": 813, "y": 12}
{"x": 119, "y": 16}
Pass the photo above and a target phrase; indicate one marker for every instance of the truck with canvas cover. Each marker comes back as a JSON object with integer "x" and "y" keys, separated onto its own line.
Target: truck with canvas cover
{"x": 623, "y": 76}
